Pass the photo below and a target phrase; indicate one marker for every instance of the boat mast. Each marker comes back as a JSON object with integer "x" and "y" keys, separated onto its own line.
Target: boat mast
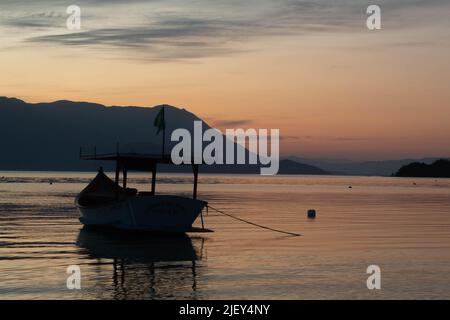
{"x": 124, "y": 172}
{"x": 117, "y": 174}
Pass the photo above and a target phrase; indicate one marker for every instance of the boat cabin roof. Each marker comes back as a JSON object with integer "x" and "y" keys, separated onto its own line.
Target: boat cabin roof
{"x": 132, "y": 161}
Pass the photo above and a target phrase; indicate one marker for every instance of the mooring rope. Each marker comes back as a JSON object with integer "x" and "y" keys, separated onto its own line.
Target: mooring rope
{"x": 252, "y": 223}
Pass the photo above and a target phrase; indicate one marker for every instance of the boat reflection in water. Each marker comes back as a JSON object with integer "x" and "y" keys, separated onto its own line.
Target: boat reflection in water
{"x": 145, "y": 266}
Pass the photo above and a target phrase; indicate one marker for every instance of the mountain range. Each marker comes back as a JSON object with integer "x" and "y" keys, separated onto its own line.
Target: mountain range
{"x": 48, "y": 136}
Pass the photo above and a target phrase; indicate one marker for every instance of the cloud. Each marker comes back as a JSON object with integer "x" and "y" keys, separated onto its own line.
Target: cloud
{"x": 232, "y": 123}
{"x": 295, "y": 138}
{"x": 176, "y": 29}
{"x": 355, "y": 138}
{"x": 33, "y": 20}
{"x": 288, "y": 138}
{"x": 173, "y": 38}
{"x": 186, "y": 34}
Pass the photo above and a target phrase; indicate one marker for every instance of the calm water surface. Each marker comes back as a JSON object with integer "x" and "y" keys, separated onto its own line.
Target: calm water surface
{"x": 401, "y": 225}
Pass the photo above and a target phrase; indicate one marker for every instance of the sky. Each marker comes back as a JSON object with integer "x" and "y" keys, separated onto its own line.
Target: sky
{"x": 312, "y": 68}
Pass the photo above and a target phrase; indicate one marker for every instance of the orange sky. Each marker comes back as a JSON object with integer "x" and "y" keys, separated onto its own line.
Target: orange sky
{"x": 333, "y": 88}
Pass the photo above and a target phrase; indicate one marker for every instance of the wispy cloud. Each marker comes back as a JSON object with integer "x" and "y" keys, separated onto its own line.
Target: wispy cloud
{"x": 355, "y": 138}
{"x": 232, "y": 123}
{"x": 34, "y": 20}
{"x": 295, "y": 138}
{"x": 176, "y": 29}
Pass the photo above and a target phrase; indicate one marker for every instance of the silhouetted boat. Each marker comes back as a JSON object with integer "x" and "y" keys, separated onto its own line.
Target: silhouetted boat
{"x": 105, "y": 202}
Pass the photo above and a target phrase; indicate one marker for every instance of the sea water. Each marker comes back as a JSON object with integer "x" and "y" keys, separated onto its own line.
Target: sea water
{"x": 401, "y": 225}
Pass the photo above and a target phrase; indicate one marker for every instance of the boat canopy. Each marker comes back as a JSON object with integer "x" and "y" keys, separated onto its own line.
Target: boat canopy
{"x": 99, "y": 191}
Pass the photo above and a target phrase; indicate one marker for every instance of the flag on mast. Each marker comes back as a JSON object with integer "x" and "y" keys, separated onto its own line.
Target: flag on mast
{"x": 159, "y": 122}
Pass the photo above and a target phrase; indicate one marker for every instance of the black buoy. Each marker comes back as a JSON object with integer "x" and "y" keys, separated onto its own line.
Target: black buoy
{"x": 311, "y": 214}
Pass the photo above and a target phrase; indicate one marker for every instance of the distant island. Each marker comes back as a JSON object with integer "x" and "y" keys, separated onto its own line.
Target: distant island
{"x": 438, "y": 169}
{"x": 362, "y": 167}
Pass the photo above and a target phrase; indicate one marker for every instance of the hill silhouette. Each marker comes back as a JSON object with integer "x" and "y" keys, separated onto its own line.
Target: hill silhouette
{"x": 48, "y": 136}
{"x": 364, "y": 168}
{"x": 438, "y": 169}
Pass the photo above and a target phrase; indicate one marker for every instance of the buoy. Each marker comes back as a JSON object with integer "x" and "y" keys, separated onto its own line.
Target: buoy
{"x": 311, "y": 214}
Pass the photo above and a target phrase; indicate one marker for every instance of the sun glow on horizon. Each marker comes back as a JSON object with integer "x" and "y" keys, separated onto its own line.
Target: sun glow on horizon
{"x": 332, "y": 87}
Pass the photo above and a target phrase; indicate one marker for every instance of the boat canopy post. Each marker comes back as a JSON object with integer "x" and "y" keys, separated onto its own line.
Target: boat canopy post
{"x": 153, "y": 177}
{"x": 195, "y": 169}
{"x": 117, "y": 174}
{"x": 124, "y": 171}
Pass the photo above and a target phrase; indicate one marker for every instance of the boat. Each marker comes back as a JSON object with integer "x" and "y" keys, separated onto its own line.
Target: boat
{"x": 111, "y": 203}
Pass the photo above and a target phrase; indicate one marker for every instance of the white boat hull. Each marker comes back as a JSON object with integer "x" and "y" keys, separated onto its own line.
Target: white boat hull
{"x": 145, "y": 212}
